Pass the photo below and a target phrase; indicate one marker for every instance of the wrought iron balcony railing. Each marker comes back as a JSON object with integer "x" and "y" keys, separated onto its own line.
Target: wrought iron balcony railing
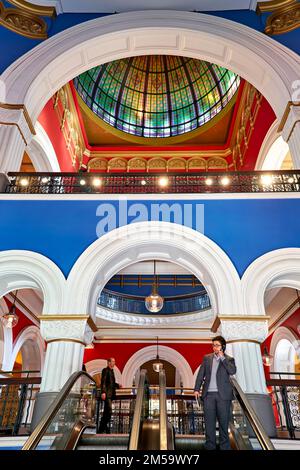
{"x": 136, "y": 304}
{"x": 145, "y": 183}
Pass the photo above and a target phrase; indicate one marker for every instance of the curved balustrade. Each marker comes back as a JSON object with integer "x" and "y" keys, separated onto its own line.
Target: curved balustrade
{"x": 172, "y": 305}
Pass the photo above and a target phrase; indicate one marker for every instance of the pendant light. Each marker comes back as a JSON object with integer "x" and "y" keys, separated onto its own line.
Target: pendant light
{"x": 10, "y": 319}
{"x": 154, "y": 302}
{"x": 157, "y": 365}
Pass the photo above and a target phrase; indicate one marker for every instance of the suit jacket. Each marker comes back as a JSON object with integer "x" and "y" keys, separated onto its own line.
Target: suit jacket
{"x": 226, "y": 368}
{"x": 108, "y": 382}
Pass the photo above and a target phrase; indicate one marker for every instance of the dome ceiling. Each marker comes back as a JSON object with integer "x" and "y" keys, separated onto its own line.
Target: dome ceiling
{"x": 157, "y": 96}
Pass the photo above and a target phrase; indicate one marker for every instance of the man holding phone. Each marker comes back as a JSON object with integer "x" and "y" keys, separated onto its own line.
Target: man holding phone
{"x": 217, "y": 393}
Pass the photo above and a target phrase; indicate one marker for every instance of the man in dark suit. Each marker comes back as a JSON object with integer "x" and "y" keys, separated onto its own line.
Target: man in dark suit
{"x": 108, "y": 393}
{"x": 217, "y": 393}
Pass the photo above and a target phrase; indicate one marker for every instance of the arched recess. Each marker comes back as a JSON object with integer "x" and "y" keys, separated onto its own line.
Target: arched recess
{"x": 272, "y": 151}
{"x": 149, "y": 353}
{"x": 41, "y": 151}
{"x": 278, "y": 268}
{"x": 20, "y": 269}
{"x": 95, "y": 367}
{"x": 269, "y": 66}
{"x": 32, "y": 346}
{"x": 6, "y": 339}
{"x": 284, "y": 345}
{"x": 153, "y": 240}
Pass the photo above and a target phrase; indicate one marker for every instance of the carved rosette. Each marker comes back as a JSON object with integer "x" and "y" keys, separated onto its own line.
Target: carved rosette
{"x": 235, "y": 330}
{"x": 77, "y": 330}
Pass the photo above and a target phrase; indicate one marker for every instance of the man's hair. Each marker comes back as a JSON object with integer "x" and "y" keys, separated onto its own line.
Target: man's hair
{"x": 220, "y": 339}
{"x": 110, "y": 359}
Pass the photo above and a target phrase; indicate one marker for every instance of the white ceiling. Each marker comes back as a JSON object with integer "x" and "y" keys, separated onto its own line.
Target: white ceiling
{"x": 110, "y": 6}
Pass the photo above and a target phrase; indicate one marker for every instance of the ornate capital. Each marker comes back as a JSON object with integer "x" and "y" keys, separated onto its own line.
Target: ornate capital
{"x": 77, "y": 330}
{"x": 17, "y": 115}
{"x": 290, "y": 120}
{"x": 235, "y": 330}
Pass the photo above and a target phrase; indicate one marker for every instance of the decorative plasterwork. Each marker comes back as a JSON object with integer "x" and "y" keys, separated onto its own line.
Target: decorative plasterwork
{"x": 244, "y": 330}
{"x": 23, "y": 22}
{"x": 142, "y": 320}
{"x": 67, "y": 329}
{"x": 285, "y": 15}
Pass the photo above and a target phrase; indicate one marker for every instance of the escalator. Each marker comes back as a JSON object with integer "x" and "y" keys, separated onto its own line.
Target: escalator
{"x": 70, "y": 422}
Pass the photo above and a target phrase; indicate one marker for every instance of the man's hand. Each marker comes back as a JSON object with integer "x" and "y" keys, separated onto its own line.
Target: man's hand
{"x": 103, "y": 396}
{"x": 196, "y": 395}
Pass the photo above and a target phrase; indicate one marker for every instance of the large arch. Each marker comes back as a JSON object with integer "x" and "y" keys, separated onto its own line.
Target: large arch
{"x": 21, "y": 269}
{"x": 269, "y": 66}
{"x": 282, "y": 361}
{"x": 149, "y": 353}
{"x": 6, "y": 339}
{"x": 278, "y": 268}
{"x": 153, "y": 240}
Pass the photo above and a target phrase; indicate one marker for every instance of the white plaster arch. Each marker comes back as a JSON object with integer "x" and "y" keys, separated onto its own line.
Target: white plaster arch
{"x": 6, "y": 339}
{"x": 21, "y": 269}
{"x": 33, "y": 345}
{"x": 153, "y": 240}
{"x": 96, "y": 365}
{"x": 278, "y": 268}
{"x": 269, "y": 66}
{"x": 149, "y": 353}
{"x": 41, "y": 151}
{"x": 283, "y": 334}
{"x": 272, "y": 151}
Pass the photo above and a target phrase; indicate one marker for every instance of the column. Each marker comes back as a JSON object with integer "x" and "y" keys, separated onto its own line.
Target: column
{"x": 66, "y": 340}
{"x": 16, "y": 132}
{"x": 291, "y": 132}
{"x": 243, "y": 336}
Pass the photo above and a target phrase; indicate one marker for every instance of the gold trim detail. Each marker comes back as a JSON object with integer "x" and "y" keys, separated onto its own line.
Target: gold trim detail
{"x": 283, "y": 21}
{"x": 23, "y": 23}
{"x": 286, "y": 115}
{"x": 25, "y": 112}
{"x": 17, "y": 125}
{"x": 218, "y": 319}
{"x": 34, "y": 9}
{"x": 274, "y": 5}
{"x": 66, "y": 340}
{"x": 92, "y": 324}
{"x": 243, "y": 341}
{"x": 89, "y": 319}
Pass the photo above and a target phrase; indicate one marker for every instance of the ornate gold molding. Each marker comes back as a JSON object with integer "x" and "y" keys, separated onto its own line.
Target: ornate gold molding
{"x": 34, "y": 9}
{"x": 23, "y": 23}
{"x": 285, "y": 16}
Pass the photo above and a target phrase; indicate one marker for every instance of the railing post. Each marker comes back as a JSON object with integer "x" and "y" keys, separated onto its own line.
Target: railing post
{"x": 22, "y": 400}
{"x": 287, "y": 412}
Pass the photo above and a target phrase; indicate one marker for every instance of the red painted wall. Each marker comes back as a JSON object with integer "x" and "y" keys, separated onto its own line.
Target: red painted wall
{"x": 49, "y": 120}
{"x": 264, "y": 120}
{"x": 122, "y": 352}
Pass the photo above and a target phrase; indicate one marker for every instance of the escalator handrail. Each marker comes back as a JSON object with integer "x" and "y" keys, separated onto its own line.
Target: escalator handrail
{"x": 43, "y": 425}
{"x": 166, "y": 436}
{"x": 252, "y": 417}
{"x": 136, "y": 422}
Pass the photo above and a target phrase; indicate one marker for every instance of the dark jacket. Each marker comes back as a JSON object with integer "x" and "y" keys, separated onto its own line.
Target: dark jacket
{"x": 225, "y": 369}
{"x": 108, "y": 382}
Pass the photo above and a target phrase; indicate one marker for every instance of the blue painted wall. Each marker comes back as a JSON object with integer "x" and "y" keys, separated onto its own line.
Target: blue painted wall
{"x": 62, "y": 230}
{"x": 16, "y": 45}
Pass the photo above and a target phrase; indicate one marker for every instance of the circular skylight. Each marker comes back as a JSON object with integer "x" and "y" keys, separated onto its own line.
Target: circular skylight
{"x": 157, "y": 95}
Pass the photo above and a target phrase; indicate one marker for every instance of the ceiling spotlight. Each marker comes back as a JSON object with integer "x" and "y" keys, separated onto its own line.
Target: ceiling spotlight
{"x": 24, "y": 182}
{"x": 266, "y": 179}
{"x": 82, "y": 182}
{"x": 163, "y": 181}
{"x": 291, "y": 179}
{"x": 209, "y": 181}
{"x": 97, "y": 182}
{"x": 45, "y": 179}
{"x": 225, "y": 180}
{"x": 143, "y": 182}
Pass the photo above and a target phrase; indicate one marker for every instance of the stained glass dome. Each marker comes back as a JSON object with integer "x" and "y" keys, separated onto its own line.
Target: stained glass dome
{"x": 157, "y": 95}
